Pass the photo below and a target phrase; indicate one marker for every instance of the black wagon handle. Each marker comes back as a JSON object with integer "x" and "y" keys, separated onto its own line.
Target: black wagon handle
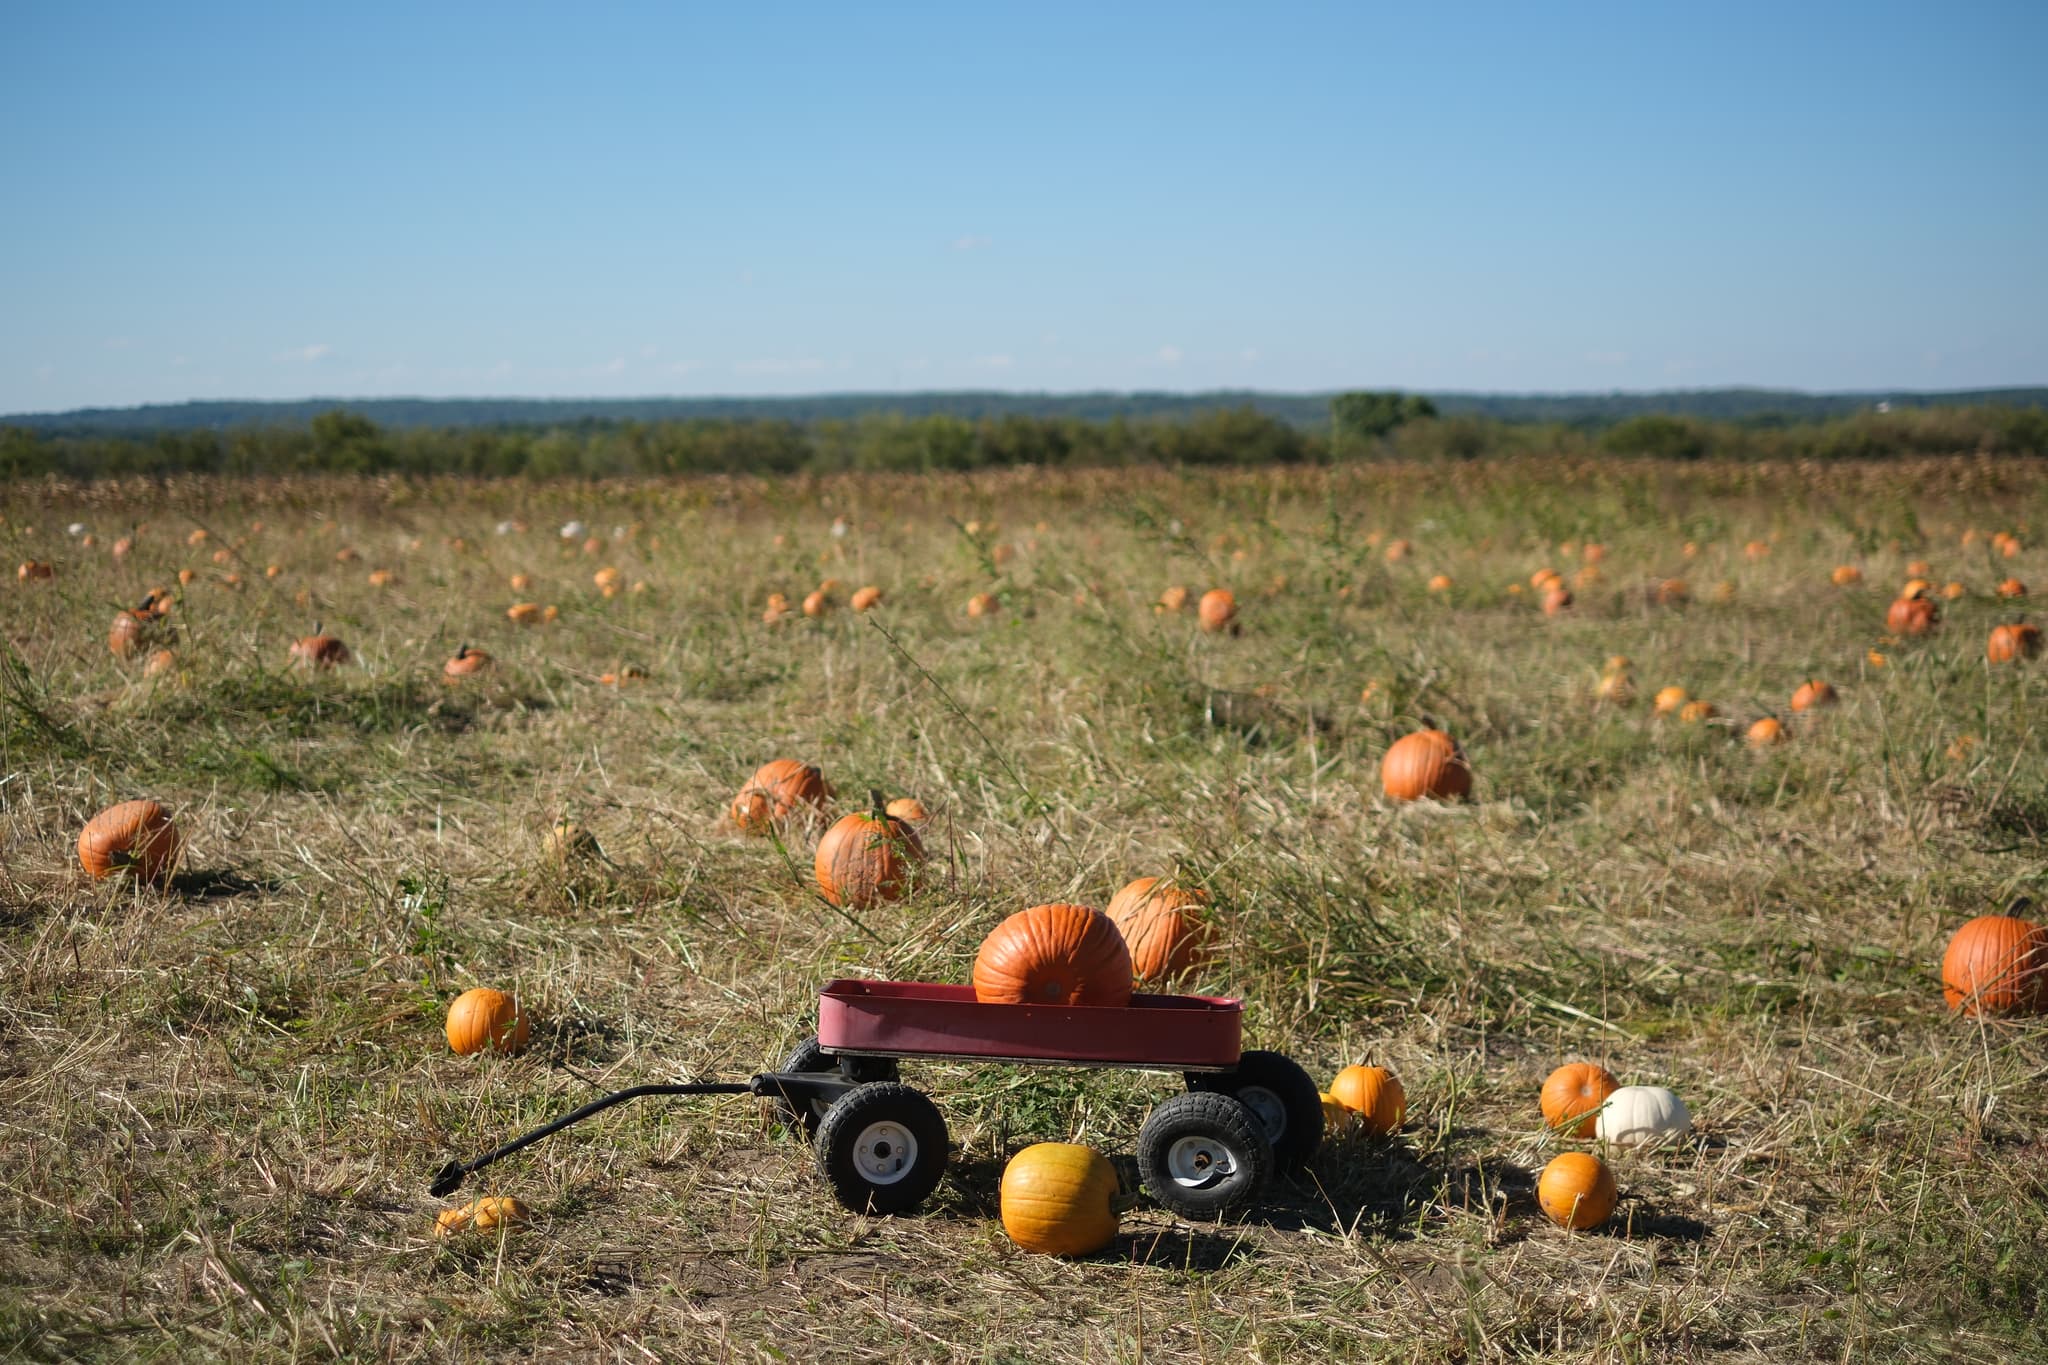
{"x": 449, "y": 1178}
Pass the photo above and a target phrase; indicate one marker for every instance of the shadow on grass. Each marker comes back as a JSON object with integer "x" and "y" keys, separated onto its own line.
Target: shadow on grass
{"x": 218, "y": 883}
{"x": 1180, "y": 1249}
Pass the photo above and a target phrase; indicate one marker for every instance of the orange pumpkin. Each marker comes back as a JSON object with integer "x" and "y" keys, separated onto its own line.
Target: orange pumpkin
{"x": 1617, "y": 689}
{"x": 1812, "y": 693}
{"x": 161, "y": 662}
{"x": 866, "y": 858}
{"x": 1174, "y": 598}
{"x": 1694, "y": 712}
{"x": 1557, "y": 601}
{"x": 1576, "y": 1190}
{"x": 2012, "y": 587}
{"x": 1846, "y": 575}
{"x": 1054, "y": 955}
{"x": 134, "y": 836}
{"x": 1915, "y": 587}
{"x": 124, "y": 636}
{"x": 1375, "y": 1095}
{"x": 319, "y": 651}
{"x": 909, "y": 808}
{"x": 1162, "y": 926}
{"x": 1766, "y": 732}
{"x": 866, "y": 599}
{"x": 1217, "y": 609}
{"x": 2013, "y": 642}
{"x": 1669, "y": 699}
{"x": 35, "y": 571}
{"x": 1059, "y": 1199}
{"x": 524, "y": 613}
{"x": 1756, "y": 549}
{"x": 775, "y": 792}
{"x": 1919, "y": 568}
{"x": 1911, "y": 616}
{"x": 1428, "y": 764}
{"x": 1996, "y": 964}
{"x": 482, "y": 1018}
{"x": 983, "y": 604}
{"x": 1572, "y": 1096}
{"x": 817, "y": 603}
{"x": 1440, "y": 583}
{"x": 491, "y": 1211}
{"x": 1398, "y": 550}
{"x": 1954, "y": 591}
{"x": 1672, "y": 592}
{"x": 1543, "y": 580}
{"x": 465, "y": 662}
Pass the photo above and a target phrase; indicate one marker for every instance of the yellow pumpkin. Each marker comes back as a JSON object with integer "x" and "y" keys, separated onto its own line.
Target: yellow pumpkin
{"x": 1059, "y": 1199}
{"x": 492, "y": 1211}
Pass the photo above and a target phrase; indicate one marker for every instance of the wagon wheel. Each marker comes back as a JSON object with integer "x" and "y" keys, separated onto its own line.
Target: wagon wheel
{"x": 1281, "y": 1096}
{"x": 1204, "y": 1155}
{"x": 809, "y": 1056}
{"x": 882, "y": 1148}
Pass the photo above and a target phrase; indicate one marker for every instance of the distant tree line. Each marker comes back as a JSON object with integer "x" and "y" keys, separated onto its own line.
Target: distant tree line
{"x": 1359, "y": 426}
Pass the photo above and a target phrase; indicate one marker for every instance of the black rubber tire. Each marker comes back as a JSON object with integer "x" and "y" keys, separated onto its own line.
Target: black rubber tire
{"x": 1281, "y": 1096}
{"x": 1204, "y": 1155}
{"x": 852, "y": 1156}
{"x": 809, "y": 1056}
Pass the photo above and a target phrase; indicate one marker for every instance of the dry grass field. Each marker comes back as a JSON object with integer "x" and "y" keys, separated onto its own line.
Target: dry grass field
{"x": 221, "y": 1101}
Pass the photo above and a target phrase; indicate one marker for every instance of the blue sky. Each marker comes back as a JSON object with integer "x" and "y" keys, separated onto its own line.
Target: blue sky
{"x": 272, "y": 200}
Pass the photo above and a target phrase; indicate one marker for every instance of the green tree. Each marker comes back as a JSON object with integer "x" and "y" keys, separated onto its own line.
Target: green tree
{"x": 1364, "y": 415}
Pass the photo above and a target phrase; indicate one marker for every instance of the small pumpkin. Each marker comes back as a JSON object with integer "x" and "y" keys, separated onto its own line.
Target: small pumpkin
{"x": 1766, "y": 732}
{"x": 776, "y": 791}
{"x": 484, "y": 1018}
{"x": 866, "y": 599}
{"x": 1557, "y": 601}
{"x": 867, "y": 858}
{"x": 1755, "y": 550}
{"x": 1996, "y": 964}
{"x": 318, "y": 651}
{"x": 1911, "y": 616}
{"x": 1643, "y": 1116}
{"x": 1617, "y": 663}
{"x": 1427, "y": 764}
{"x": 1813, "y": 693}
{"x": 1695, "y": 712}
{"x": 1672, "y": 592}
{"x": 1846, "y": 575}
{"x": 492, "y": 1211}
{"x": 1055, "y": 954}
{"x": 1398, "y": 550}
{"x": 1572, "y": 1096}
{"x": 465, "y": 662}
{"x": 520, "y": 582}
{"x": 1669, "y": 699}
{"x": 1440, "y": 582}
{"x": 1375, "y": 1095}
{"x": 1954, "y": 591}
{"x": 1919, "y": 568}
{"x": 1915, "y": 587}
{"x": 1338, "y": 1118}
{"x": 2012, "y": 587}
{"x": 382, "y": 578}
{"x": 566, "y": 842}
{"x": 124, "y": 636}
{"x": 347, "y": 554}
{"x": 1576, "y": 1191}
{"x": 983, "y": 604}
{"x": 1059, "y": 1199}
{"x": 817, "y": 603}
{"x": 1543, "y": 580}
{"x": 1174, "y": 598}
{"x": 137, "y": 837}
{"x": 2008, "y": 643}
{"x": 607, "y": 577}
{"x": 1616, "y": 689}
{"x": 1217, "y": 609}
{"x": 1163, "y": 926}
{"x": 35, "y": 571}
{"x": 524, "y": 613}
{"x": 909, "y": 808}
{"x": 159, "y": 663}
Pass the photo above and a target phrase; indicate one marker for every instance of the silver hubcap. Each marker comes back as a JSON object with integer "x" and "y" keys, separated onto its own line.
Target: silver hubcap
{"x": 1267, "y": 1108}
{"x": 884, "y": 1153}
{"x": 1198, "y": 1162}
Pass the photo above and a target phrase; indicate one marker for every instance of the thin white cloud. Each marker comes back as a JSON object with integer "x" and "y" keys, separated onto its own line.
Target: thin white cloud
{"x": 779, "y": 365}
{"x": 319, "y": 350}
{"x": 973, "y": 241}
{"x": 1169, "y": 355}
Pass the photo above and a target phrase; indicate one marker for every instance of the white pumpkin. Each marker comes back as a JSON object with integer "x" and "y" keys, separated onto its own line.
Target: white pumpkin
{"x": 1643, "y": 1116}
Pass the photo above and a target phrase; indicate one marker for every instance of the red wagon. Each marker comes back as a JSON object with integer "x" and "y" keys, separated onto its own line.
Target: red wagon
{"x": 882, "y": 1144}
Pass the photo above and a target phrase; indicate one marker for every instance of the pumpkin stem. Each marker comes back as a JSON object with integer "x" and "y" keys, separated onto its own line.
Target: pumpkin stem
{"x": 877, "y": 805}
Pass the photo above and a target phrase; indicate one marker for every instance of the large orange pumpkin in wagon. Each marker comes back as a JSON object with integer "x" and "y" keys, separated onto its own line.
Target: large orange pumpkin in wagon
{"x": 775, "y": 791}
{"x": 1996, "y": 964}
{"x": 867, "y": 857}
{"x": 1427, "y": 763}
{"x": 134, "y": 836}
{"x": 1162, "y": 925}
{"x": 1054, "y": 955}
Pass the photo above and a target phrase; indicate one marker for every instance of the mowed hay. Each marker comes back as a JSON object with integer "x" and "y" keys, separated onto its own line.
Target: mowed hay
{"x": 225, "y": 1097}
